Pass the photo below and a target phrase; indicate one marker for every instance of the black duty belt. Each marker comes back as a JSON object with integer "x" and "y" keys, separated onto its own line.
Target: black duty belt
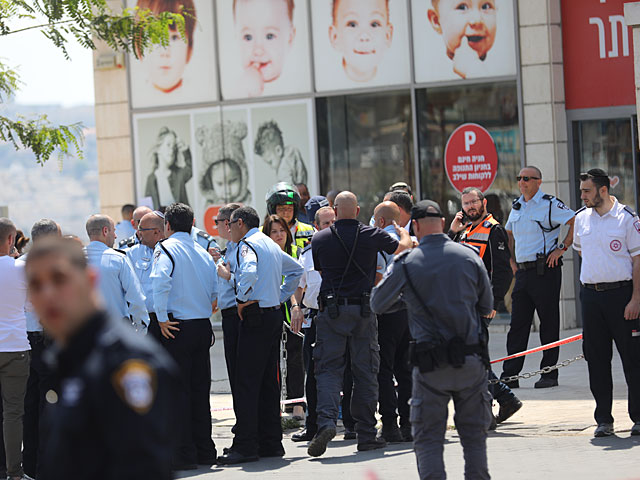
{"x": 229, "y": 312}
{"x": 270, "y": 309}
{"x": 349, "y": 301}
{"x": 526, "y": 265}
{"x": 602, "y": 287}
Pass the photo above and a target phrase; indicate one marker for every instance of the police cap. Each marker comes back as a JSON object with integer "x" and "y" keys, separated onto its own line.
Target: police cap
{"x": 426, "y": 208}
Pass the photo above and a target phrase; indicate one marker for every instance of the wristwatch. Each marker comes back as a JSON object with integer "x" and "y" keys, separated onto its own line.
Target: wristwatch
{"x": 563, "y": 247}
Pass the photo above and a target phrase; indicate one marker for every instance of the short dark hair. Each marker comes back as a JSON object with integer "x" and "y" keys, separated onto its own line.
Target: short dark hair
{"x": 70, "y": 248}
{"x": 248, "y": 215}
{"x": 475, "y": 190}
{"x": 6, "y": 228}
{"x": 226, "y": 211}
{"x": 402, "y": 199}
{"x": 179, "y": 216}
{"x": 598, "y": 176}
{"x": 127, "y": 209}
{"x": 537, "y": 170}
{"x": 44, "y": 227}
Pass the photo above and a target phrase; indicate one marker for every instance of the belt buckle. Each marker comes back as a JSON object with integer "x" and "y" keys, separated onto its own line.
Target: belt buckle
{"x": 599, "y": 288}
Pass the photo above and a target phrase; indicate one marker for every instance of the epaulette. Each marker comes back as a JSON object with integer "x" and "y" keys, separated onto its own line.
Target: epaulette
{"x": 630, "y": 212}
{"x": 516, "y": 204}
{"x": 546, "y": 196}
{"x": 401, "y": 255}
{"x": 205, "y": 235}
{"x": 120, "y": 251}
{"x": 127, "y": 242}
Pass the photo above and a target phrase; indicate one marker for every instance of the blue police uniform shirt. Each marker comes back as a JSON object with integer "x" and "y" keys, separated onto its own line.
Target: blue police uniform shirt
{"x": 226, "y": 288}
{"x": 187, "y": 286}
{"x": 141, "y": 258}
{"x": 124, "y": 230}
{"x": 33, "y": 322}
{"x": 529, "y": 237}
{"x": 384, "y": 258}
{"x": 118, "y": 283}
{"x": 261, "y": 268}
{"x": 203, "y": 239}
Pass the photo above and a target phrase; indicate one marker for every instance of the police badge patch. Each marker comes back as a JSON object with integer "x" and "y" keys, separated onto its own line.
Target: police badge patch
{"x": 562, "y": 206}
{"x": 156, "y": 256}
{"x": 244, "y": 251}
{"x": 135, "y": 383}
{"x": 636, "y": 225}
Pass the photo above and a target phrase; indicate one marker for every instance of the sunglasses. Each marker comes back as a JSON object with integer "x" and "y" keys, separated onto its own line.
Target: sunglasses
{"x": 526, "y": 179}
{"x": 147, "y": 229}
{"x": 587, "y": 176}
{"x": 217, "y": 222}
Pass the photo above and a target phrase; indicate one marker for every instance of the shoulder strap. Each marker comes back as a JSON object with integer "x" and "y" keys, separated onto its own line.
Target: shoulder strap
{"x": 334, "y": 230}
{"x": 238, "y": 248}
{"x": 173, "y": 262}
{"x": 630, "y": 212}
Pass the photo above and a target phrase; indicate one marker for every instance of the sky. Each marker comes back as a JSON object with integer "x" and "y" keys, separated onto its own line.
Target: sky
{"x": 48, "y": 78}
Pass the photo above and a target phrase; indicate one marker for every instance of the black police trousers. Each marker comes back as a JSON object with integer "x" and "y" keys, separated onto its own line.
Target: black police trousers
{"x": 310, "y": 386}
{"x": 603, "y": 323}
{"x": 190, "y": 350}
{"x": 39, "y": 382}
{"x": 393, "y": 338}
{"x": 534, "y": 293}
{"x": 256, "y": 388}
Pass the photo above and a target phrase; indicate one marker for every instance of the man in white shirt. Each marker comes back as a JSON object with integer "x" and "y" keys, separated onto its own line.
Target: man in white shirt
{"x": 14, "y": 348}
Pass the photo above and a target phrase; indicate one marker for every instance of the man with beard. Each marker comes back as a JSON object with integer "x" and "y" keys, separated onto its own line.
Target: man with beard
{"x": 491, "y": 240}
{"x": 607, "y": 237}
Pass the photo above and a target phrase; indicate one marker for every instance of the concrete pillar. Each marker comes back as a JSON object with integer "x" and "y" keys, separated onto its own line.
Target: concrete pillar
{"x": 545, "y": 122}
{"x": 115, "y": 159}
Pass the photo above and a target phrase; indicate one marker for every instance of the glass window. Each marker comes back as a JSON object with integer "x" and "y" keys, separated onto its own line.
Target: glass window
{"x": 440, "y": 112}
{"x": 365, "y": 145}
{"x": 608, "y": 144}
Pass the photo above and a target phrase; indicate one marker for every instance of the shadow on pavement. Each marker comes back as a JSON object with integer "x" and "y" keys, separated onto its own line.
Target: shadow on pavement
{"x": 615, "y": 442}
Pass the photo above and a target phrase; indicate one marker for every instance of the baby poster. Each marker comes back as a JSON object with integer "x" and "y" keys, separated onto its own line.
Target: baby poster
{"x": 461, "y": 39}
{"x": 183, "y": 72}
{"x": 360, "y": 43}
{"x": 264, "y": 47}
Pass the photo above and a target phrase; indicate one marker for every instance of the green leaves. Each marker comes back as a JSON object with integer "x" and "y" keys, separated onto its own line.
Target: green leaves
{"x": 131, "y": 30}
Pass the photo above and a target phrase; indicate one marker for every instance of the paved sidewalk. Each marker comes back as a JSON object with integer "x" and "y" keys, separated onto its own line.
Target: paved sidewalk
{"x": 550, "y": 438}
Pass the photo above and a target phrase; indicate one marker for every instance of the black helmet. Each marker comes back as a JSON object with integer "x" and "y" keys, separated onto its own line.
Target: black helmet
{"x": 282, "y": 193}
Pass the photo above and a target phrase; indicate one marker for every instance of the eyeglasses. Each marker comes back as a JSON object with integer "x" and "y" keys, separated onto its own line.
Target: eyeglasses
{"x": 147, "y": 229}
{"x": 471, "y": 202}
{"x": 526, "y": 179}
{"x": 217, "y": 221}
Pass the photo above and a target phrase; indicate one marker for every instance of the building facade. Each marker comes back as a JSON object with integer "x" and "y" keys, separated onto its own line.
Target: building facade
{"x": 359, "y": 95}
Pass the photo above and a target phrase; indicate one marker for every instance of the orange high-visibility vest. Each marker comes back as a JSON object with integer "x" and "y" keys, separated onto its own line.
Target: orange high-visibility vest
{"x": 478, "y": 236}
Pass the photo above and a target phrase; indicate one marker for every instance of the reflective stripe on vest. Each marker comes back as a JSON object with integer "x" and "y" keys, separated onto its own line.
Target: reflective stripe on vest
{"x": 478, "y": 236}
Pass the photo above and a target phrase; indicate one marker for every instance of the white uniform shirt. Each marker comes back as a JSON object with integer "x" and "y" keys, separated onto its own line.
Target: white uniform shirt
{"x": 607, "y": 244}
{"x": 311, "y": 279}
{"x": 13, "y": 297}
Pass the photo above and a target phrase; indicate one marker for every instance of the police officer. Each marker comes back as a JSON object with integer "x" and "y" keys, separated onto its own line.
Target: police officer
{"x": 265, "y": 276}
{"x": 534, "y": 225}
{"x": 150, "y": 232}
{"x": 346, "y": 255}
{"x": 447, "y": 290}
{"x": 118, "y": 282}
{"x": 490, "y": 238}
{"x": 128, "y": 241}
{"x": 226, "y": 290}
{"x": 185, "y": 290}
{"x": 393, "y": 337}
{"x": 109, "y": 413}
{"x": 203, "y": 239}
{"x": 125, "y": 227}
{"x": 283, "y": 200}
{"x": 607, "y": 237}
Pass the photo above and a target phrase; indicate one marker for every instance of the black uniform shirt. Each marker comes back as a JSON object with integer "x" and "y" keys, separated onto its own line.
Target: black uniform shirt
{"x": 330, "y": 257}
{"x": 109, "y": 413}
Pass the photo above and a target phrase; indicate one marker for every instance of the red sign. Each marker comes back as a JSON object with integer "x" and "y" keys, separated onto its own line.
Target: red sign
{"x": 210, "y": 220}
{"x": 597, "y": 53}
{"x": 471, "y": 158}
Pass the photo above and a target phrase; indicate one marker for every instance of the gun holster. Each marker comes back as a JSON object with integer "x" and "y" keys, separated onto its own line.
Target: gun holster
{"x": 329, "y": 302}
{"x": 365, "y": 306}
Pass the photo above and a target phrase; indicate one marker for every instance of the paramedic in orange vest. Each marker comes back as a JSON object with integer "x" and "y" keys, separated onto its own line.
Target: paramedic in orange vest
{"x": 475, "y": 226}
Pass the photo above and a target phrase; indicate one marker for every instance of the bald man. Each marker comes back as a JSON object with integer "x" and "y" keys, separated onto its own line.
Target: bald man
{"x": 128, "y": 241}
{"x": 150, "y": 232}
{"x": 118, "y": 283}
{"x": 394, "y": 338}
{"x": 346, "y": 257}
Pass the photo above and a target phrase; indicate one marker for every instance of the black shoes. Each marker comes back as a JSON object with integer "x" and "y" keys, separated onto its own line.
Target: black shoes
{"x": 513, "y": 384}
{"x": 184, "y": 466}
{"x": 275, "y": 453}
{"x": 303, "y": 436}
{"x": 635, "y": 430}
{"x": 603, "y": 430}
{"x": 372, "y": 445}
{"x": 494, "y": 423}
{"x": 546, "y": 383}
{"x": 391, "y": 434}
{"x": 319, "y": 443}
{"x": 507, "y": 409}
{"x": 349, "y": 433}
{"x": 405, "y": 430}
{"x": 233, "y": 457}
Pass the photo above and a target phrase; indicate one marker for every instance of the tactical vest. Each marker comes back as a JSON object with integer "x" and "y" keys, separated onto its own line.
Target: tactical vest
{"x": 303, "y": 235}
{"x": 478, "y": 236}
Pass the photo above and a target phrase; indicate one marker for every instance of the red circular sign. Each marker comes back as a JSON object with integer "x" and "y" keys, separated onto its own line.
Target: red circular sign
{"x": 615, "y": 245}
{"x": 471, "y": 158}
{"x": 210, "y": 220}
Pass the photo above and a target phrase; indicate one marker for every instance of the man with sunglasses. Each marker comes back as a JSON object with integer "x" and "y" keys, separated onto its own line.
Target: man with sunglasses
{"x": 150, "y": 231}
{"x": 486, "y": 234}
{"x": 534, "y": 226}
{"x": 607, "y": 237}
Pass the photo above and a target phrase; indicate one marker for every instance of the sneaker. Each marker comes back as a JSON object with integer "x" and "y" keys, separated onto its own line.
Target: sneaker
{"x": 603, "y": 430}
{"x": 635, "y": 430}
{"x": 318, "y": 445}
{"x": 508, "y": 408}
{"x": 374, "y": 444}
